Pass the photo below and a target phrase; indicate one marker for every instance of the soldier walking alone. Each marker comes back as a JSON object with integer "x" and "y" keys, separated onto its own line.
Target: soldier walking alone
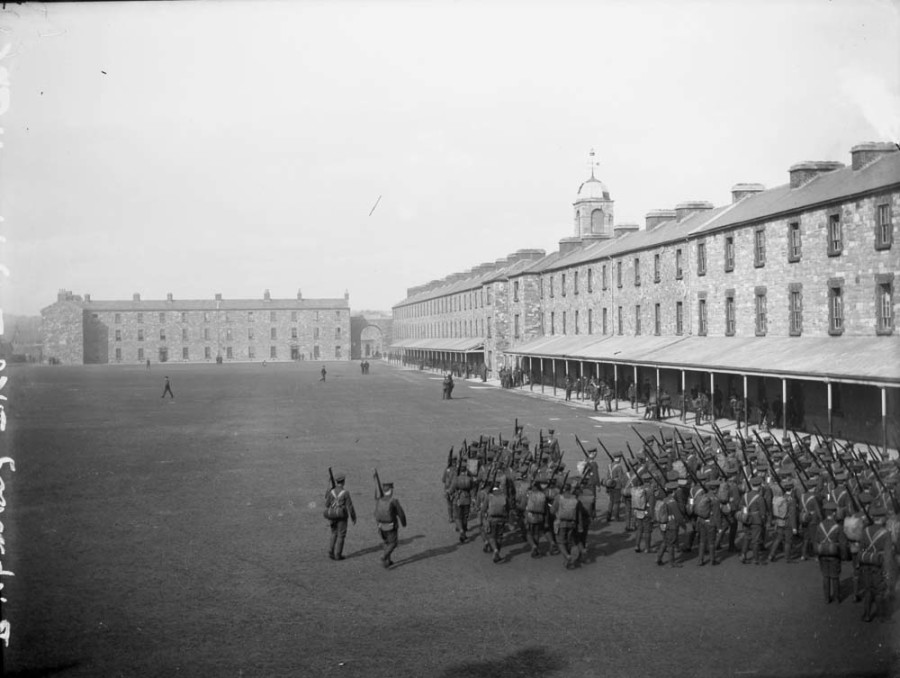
{"x": 388, "y": 513}
{"x": 338, "y": 508}
{"x": 168, "y": 389}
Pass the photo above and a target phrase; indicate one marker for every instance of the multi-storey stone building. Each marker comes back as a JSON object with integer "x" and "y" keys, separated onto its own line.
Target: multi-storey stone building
{"x": 784, "y": 298}
{"x": 78, "y": 330}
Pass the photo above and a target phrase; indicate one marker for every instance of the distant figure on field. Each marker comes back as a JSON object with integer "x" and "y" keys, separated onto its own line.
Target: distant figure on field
{"x": 324, "y": 372}
{"x": 148, "y": 363}
{"x": 167, "y": 389}
{"x": 448, "y": 387}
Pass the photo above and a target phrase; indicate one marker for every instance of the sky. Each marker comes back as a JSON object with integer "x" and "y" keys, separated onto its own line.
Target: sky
{"x": 233, "y": 147}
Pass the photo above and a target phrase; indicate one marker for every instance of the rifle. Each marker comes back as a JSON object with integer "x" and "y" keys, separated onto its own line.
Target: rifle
{"x": 769, "y": 459}
{"x": 643, "y": 440}
{"x": 884, "y": 488}
{"x": 583, "y": 451}
{"x": 331, "y": 478}
{"x": 695, "y": 478}
{"x": 653, "y": 459}
{"x": 789, "y": 452}
{"x": 450, "y": 457}
{"x": 378, "y": 485}
{"x": 858, "y": 504}
{"x": 516, "y": 429}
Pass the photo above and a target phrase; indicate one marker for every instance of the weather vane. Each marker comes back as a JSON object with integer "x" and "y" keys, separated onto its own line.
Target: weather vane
{"x": 592, "y": 163}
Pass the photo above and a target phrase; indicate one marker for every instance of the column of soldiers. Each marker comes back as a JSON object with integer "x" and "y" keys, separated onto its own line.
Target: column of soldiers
{"x": 761, "y": 498}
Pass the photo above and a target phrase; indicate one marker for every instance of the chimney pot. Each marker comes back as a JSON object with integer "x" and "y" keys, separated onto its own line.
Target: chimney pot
{"x": 867, "y": 153}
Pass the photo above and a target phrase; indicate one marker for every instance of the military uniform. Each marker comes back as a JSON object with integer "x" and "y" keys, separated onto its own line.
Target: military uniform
{"x": 496, "y": 510}
{"x": 831, "y": 546}
{"x": 536, "y": 512}
{"x": 708, "y": 517}
{"x": 670, "y": 519}
{"x": 876, "y": 563}
{"x": 753, "y": 517}
{"x": 338, "y": 509}
{"x": 388, "y": 513}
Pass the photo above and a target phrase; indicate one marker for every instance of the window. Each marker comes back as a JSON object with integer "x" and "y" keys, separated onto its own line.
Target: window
{"x": 679, "y": 269}
{"x": 140, "y": 335}
{"x": 273, "y": 351}
{"x": 552, "y": 322}
{"x": 516, "y": 290}
{"x": 337, "y": 352}
{"x": 229, "y": 353}
{"x": 564, "y": 328}
{"x": 836, "y": 306}
{"x": 316, "y": 333}
{"x": 251, "y": 352}
{"x": 337, "y": 332}
{"x": 250, "y": 317}
{"x": 620, "y": 320}
{"x": 795, "y": 309}
{"x": 184, "y": 334}
{"x": 272, "y": 316}
{"x": 657, "y": 320}
{"x": 490, "y": 295}
{"x": 835, "y": 235}
{"x": 207, "y": 352}
{"x": 562, "y": 287}
{"x": 542, "y": 286}
{"x": 551, "y": 287}
{"x": 576, "y": 323}
{"x": 162, "y": 335}
{"x": 884, "y": 227}
{"x": 884, "y": 303}
{"x": 637, "y": 272}
{"x": 141, "y": 354}
{"x": 575, "y": 283}
{"x": 293, "y": 333}
{"x": 516, "y": 326}
{"x": 604, "y": 280}
{"x": 228, "y": 335}
{"x": 637, "y": 318}
{"x": 250, "y": 334}
{"x": 118, "y": 355}
{"x": 656, "y": 268}
{"x": 185, "y": 353}
{"x": 140, "y": 318}
{"x": 618, "y": 274}
{"x": 679, "y": 317}
{"x": 118, "y": 335}
{"x": 206, "y": 316}
{"x": 761, "y": 320}
{"x": 605, "y": 321}
{"x": 729, "y": 253}
{"x": 205, "y": 334}
{"x": 489, "y": 327}
{"x": 590, "y": 321}
{"x": 759, "y": 247}
{"x": 729, "y": 313}
{"x": 590, "y": 280}
{"x": 118, "y": 318}
{"x": 793, "y": 242}
{"x": 162, "y": 318}
{"x": 184, "y": 318}
{"x": 701, "y": 258}
{"x": 701, "y": 316}
{"x": 337, "y": 314}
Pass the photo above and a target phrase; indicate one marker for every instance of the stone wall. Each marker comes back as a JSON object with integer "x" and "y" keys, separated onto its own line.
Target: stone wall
{"x": 62, "y": 333}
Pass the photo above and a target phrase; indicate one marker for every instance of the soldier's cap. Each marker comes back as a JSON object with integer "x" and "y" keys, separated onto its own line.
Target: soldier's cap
{"x": 682, "y": 482}
{"x": 671, "y": 485}
{"x": 713, "y": 483}
{"x": 617, "y": 455}
{"x": 756, "y": 481}
{"x": 877, "y": 511}
{"x": 387, "y": 486}
{"x": 552, "y": 430}
{"x": 830, "y": 506}
{"x": 339, "y": 477}
{"x": 813, "y": 470}
{"x": 539, "y": 482}
{"x": 788, "y": 483}
{"x": 858, "y": 466}
{"x": 864, "y": 498}
{"x": 841, "y": 475}
{"x": 672, "y": 477}
{"x": 592, "y": 452}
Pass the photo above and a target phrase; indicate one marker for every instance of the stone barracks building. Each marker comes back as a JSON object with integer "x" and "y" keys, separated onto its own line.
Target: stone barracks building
{"x": 79, "y": 330}
{"x": 784, "y": 298}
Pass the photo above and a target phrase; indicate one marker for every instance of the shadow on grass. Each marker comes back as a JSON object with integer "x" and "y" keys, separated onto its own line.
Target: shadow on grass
{"x": 378, "y": 547}
{"x": 532, "y": 661}
{"x": 43, "y": 671}
{"x": 425, "y": 555}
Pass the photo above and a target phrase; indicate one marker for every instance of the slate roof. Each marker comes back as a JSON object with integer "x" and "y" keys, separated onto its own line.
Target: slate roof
{"x": 178, "y": 305}
{"x": 465, "y": 344}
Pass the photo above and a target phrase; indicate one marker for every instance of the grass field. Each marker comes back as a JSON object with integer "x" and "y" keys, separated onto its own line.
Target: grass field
{"x": 184, "y": 537}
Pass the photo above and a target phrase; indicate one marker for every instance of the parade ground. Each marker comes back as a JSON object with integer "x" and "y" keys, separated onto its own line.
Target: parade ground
{"x": 185, "y": 537}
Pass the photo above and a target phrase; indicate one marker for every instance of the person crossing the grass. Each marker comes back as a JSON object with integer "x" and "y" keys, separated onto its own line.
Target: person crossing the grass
{"x": 338, "y": 509}
{"x": 388, "y": 513}
{"x": 323, "y": 373}
{"x": 168, "y": 389}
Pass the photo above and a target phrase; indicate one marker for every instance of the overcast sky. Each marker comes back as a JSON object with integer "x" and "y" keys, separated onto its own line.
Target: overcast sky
{"x": 234, "y": 147}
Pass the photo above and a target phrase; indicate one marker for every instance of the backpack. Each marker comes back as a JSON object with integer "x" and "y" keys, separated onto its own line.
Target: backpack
{"x": 639, "y": 498}
{"x": 521, "y": 494}
{"x": 853, "y": 528}
{"x": 383, "y": 513}
{"x": 464, "y": 482}
{"x": 537, "y": 502}
{"x": 703, "y": 506}
{"x": 337, "y": 505}
{"x": 872, "y": 554}
{"x": 497, "y": 505}
{"x": 827, "y": 545}
{"x": 779, "y": 507}
{"x": 568, "y": 507}
{"x": 661, "y": 512}
{"x": 810, "y": 507}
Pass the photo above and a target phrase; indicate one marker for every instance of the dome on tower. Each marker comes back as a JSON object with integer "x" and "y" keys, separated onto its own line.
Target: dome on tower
{"x": 592, "y": 189}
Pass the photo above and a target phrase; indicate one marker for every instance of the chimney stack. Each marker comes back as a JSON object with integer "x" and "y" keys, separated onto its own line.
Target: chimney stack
{"x": 625, "y": 229}
{"x": 864, "y": 154}
{"x": 87, "y": 298}
{"x": 218, "y": 296}
{"x": 654, "y": 218}
{"x": 267, "y": 296}
{"x": 685, "y": 209}
{"x": 741, "y": 191}
{"x": 569, "y": 245}
{"x": 169, "y": 297}
{"x": 136, "y": 296}
{"x": 346, "y": 295}
{"x": 804, "y": 172}
{"x": 299, "y": 295}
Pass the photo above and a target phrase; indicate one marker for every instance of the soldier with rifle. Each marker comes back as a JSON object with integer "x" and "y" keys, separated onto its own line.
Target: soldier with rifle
{"x": 569, "y": 512}
{"x": 447, "y": 481}
{"x": 536, "y": 512}
{"x": 338, "y": 509}
{"x": 463, "y": 485}
{"x": 388, "y": 513}
{"x": 496, "y": 511}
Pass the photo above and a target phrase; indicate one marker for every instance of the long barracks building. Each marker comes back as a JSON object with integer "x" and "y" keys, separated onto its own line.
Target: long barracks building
{"x": 786, "y": 294}
{"x": 78, "y": 330}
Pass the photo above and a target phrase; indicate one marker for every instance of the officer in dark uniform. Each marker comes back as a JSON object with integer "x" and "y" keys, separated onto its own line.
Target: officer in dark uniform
{"x": 388, "y": 513}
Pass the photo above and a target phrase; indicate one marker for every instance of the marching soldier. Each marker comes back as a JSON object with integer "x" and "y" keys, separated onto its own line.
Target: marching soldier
{"x": 784, "y": 514}
{"x": 338, "y": 508}
{"x": 642, "y": 510}
{"x": 568, "y": 511}
{"x": 496, "y": 509}
{"x": 876, "y": 563}
{"x": 388, "y": 513}
{"x": 462, "y": 500}
{"x": 669, "y": 518}
{"x": 614, "y": 484}
{"x": 831, "y": 546}
{"x": 708, "y": 516}
{"x": 536, "y": 512}
{"x": 753, "y": 516}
